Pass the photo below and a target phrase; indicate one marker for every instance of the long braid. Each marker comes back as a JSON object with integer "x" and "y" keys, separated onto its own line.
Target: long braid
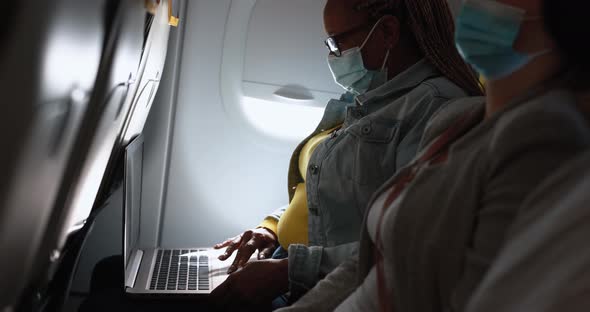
{"x": 433, "y": 28}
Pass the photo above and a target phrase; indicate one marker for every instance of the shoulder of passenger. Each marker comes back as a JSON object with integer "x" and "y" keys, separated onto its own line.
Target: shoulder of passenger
{"x": 448, "y": 114}
{"x": 442, "y": 87}
{"x": 552, "y": 117}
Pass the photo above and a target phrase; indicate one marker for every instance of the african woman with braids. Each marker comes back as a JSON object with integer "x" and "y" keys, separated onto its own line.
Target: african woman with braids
{"x": 398, "y": 63}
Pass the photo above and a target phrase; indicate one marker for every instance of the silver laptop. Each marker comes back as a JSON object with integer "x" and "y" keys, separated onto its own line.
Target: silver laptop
{"x": 157, "y": 271}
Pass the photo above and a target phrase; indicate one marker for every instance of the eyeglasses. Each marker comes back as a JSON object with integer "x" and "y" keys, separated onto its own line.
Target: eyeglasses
{"x": 332, "y": 41}
{"x": 332, "y": 45}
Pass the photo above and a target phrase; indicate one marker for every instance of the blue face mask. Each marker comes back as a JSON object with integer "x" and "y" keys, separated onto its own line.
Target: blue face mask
{"x": 350, "y": 73}
{"x": 485, "y": 36}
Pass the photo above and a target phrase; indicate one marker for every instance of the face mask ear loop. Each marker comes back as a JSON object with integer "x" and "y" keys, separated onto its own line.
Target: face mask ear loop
{"x": 386, "y": 59}
{"x": 541, "y": 53}
{"x": 370, "y": 33}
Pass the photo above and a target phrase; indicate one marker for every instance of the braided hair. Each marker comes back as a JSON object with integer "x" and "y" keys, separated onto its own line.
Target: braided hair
{"x": 433, "y": 28}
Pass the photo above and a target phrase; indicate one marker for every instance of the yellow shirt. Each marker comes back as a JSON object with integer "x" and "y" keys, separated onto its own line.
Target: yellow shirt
{"x": 292, "y": 227}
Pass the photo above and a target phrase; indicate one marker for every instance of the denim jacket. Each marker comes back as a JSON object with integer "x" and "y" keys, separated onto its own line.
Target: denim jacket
{"x": 381, "y": 132}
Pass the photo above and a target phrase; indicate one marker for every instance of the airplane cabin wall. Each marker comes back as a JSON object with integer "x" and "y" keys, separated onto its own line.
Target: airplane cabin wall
{"x": 253, "y": 83}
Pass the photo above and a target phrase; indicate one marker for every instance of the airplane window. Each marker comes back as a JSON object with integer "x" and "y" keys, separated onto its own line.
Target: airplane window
{"x": 284, "y": 121}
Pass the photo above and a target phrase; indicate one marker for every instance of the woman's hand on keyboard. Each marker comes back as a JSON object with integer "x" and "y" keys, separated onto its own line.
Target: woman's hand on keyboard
{"x": 261, "y": 239}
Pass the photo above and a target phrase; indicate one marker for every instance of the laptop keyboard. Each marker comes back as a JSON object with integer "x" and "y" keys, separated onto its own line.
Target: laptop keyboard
{"x": 172, "y": 271}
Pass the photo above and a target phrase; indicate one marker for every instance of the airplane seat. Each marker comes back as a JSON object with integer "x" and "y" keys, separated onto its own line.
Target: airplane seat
{"x": 116, "y": 84}
{"x": 89, "y": 173}
{"x": 138, "y": 103}
{"x": 72, "y": 76}
{"x": 50, "y": 54}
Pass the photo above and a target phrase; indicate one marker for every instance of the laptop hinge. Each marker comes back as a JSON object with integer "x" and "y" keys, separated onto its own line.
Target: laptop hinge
{"x": 133, "y": 268}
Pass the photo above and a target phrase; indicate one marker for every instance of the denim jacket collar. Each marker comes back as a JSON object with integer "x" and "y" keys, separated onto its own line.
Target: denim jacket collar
{"x": 335, "y": 111}
{"x": 408, "y": 79}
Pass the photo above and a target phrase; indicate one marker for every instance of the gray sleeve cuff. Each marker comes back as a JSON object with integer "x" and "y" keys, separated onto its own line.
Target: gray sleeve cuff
{"x": 307, "y": 265}
{"x": 332, "y": 257}
{"x": 304, "y": 268}
{"x": 329, "y": 292}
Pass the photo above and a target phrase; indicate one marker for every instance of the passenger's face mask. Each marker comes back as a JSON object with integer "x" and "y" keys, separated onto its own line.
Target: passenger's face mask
{"x": 485, "y": 36}
{"x": 350, "y": 73}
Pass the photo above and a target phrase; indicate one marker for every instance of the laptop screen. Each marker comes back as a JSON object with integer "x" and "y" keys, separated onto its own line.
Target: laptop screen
{"x": 132, "y": 196}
